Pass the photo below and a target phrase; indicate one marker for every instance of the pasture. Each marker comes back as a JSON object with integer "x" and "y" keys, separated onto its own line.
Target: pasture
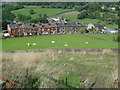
{"x": 42, "y": 11}
{"x": 109, "y": 37}
{"x": 72, "y": 16}
{"x": 44, "y": 42}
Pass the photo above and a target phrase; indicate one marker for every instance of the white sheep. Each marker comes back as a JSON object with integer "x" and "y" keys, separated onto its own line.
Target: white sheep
{"x": 34, "y": 44}
{"x": 28, "y": 44}
{"x": 52, "y": 41}
{"x": 86, "y": 42}
{"x": 66, "y": 44}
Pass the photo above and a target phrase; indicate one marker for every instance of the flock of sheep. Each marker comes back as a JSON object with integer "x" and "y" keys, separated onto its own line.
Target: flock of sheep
{"x": 34, "y": 44}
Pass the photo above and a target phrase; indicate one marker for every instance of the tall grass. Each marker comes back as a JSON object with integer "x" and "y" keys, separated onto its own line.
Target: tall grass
{"x": 49, "y": 68}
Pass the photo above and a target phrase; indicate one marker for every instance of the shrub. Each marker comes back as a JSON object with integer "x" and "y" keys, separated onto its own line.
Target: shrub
{"x": 117, "y": 38}
{"x": 81, "y": 31}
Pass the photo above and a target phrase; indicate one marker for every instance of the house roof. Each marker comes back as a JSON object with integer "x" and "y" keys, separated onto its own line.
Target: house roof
{"x": 98, "y": 25}
{"x": 32, "y": 25}
{"x": 48, "y": 25}
{"x": 70, "y": 24}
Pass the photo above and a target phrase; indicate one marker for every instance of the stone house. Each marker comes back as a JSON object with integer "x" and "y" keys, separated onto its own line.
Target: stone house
{"x": 69, "y": 28}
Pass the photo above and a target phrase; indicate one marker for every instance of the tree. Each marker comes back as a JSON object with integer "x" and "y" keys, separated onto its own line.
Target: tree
{"x": 4, "y": 24}
{"x": 45, "y": 16}
{"x": 7, "y": 15}
{"x": 41, "y": 20}
{"x": 23, "y": 17}
{"x": 32, "y": 11}
{"x": 40, "y": 15}
{"x": 82, "y": 15}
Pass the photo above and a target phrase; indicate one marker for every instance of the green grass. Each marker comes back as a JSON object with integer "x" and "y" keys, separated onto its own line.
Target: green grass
{"x": 48, "y": 11}
{"x": 104, "y": 36}
{"x": 44, "y": 42}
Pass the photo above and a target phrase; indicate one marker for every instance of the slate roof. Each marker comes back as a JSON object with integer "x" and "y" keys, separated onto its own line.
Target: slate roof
{"x": 31, "y": 25}
{"x": 48, "y": 25}
{"x": 69, "y": 24}
{"x": 98, "y": 25}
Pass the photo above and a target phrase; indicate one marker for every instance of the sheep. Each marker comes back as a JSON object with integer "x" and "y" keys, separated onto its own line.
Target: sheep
{"x": 28, "y": 44}
{"x": 34, "y": 44}
{"x": 66, "y": 44}
{"x": 86, "y": 42}
{"x": 52, "y": 41}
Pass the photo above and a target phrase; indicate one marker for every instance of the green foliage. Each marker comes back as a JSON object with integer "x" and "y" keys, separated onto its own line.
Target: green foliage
{"x": 82, "y": 15}
{"x": 45, "y": 16}
{"x": 23, "y": 17}
{"x": 33, "y": 82}
{"x": 117, "y": 38}
{"x": 6, "y": 11}
{"x": 41, "y": 20}
{"x": 7, "y": 15}
{"x": 4, "y": 24}
{"x": 32, "y": 11}
{"x": 81, "y": 31}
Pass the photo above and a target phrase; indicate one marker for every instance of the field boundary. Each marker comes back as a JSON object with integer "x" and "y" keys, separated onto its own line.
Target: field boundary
{"x": 95, "y": 37}
{"x": 115, "y": 50}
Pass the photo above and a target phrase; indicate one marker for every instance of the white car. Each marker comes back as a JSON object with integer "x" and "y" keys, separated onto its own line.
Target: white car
{"x": 6, "y": 34}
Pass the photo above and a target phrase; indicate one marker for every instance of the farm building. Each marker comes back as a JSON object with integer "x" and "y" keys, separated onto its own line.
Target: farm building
{"x": 41, "y": 29}
{"x": 65, "y": 28}
{"x": 96, "y": 26}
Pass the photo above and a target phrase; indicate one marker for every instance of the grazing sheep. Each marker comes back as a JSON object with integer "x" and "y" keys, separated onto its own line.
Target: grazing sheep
{"x": 86, "y": 42}
{"x": 34, "y": 44}
{"x": 66, "y": 44}
{"x": 52, "y": 41}
{"x": 28, "y": 44}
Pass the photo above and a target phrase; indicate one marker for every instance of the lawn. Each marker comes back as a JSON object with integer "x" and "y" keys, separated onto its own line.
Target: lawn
{"x": 72, "y": 16}
{"x": 48, "y": 11}
{"x": 109, "y": 37}
{"x": 44, "y": 42}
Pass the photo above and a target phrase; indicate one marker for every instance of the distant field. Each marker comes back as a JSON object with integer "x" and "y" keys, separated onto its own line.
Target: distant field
{"x": 44, "y": 42}
{"x": 72, "y": 16}
{"x": 48, "y": 11}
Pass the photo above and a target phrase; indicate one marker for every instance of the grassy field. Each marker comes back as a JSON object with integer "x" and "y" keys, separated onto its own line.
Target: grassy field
{"x": 72, "y": 16}
{"x": 109, "y": 37}
{"x": 44, "y": 42}
{"x": 50, "y": 69}
{"x": 42, "y": 11}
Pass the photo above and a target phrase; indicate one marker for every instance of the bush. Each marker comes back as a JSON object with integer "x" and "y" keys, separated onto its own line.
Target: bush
{"x": 117, "y": 38}
{"x": 81, "y": 31}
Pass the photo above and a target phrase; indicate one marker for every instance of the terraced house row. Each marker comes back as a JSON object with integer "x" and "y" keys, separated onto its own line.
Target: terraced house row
{"x": 42, "y": 29}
